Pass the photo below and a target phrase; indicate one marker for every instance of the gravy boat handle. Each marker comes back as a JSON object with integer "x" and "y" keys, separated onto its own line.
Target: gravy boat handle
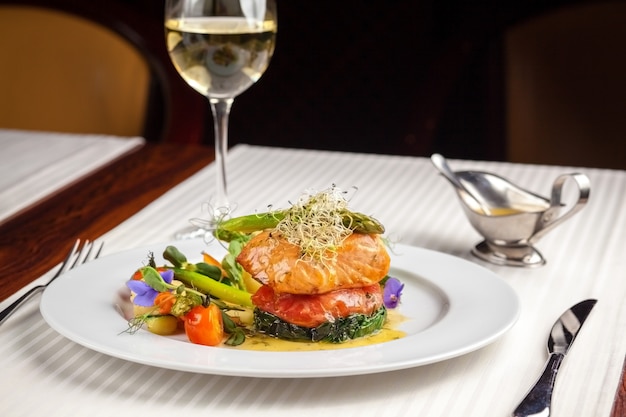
{"x": 550, "y": 217}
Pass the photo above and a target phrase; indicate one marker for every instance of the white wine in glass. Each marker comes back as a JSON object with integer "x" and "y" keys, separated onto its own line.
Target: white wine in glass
{"x": 220, "y": 48}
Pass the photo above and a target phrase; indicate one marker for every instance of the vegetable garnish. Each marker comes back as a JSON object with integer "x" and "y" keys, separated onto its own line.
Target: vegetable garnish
{"x": 179, "y": 289}
{"x": 315, "y": 272}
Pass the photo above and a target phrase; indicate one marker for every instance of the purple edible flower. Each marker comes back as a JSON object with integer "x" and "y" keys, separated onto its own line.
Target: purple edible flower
{"x": 145, "y": 294}
{"x": 392, "y": 292}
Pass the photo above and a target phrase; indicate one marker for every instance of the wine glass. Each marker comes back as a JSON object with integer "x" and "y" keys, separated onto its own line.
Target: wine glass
{"x": 220, "y": 48}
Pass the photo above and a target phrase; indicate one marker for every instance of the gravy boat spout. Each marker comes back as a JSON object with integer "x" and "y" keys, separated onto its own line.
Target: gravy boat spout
{"x": 516, "y": 218}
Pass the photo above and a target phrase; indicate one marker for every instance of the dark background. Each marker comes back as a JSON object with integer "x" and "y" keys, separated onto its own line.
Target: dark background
{"x": 407, "y": 77}
{"x": 400, "y": 77}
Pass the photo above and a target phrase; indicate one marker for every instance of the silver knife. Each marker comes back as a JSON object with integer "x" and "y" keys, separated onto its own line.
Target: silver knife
{"x": 538, "y": 400}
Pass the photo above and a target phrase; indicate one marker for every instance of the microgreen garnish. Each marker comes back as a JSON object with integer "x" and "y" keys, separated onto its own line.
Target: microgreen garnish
{"x": 137, "y": 322}
{"x": 315, "y": 223}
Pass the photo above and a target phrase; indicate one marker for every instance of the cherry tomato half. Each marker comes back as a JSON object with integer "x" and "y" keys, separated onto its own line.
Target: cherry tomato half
{"x": 204, "y": 325}
{"x": 165, "y": 301}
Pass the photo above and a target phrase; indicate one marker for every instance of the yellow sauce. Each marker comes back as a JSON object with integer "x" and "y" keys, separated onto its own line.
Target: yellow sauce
{"x": 500, "y": 211}
{"x": 266, "y": 343}
{"x": 507, "y": 211}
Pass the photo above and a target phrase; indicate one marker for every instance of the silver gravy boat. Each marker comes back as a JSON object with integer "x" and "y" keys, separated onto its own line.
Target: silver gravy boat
{"x": 512, "y": 219}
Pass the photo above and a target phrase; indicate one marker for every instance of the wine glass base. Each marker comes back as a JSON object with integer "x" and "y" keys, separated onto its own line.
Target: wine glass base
{"x": 205, "y": 227}
{"x": 191, "y": 232}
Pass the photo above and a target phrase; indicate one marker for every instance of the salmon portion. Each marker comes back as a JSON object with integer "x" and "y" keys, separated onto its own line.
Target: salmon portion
{"x": 311, "y": 310}
{"x": 361, "y": 260}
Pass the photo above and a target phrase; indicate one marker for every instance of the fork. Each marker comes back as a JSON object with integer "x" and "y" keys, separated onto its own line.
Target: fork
{"x": 75, "y": 257}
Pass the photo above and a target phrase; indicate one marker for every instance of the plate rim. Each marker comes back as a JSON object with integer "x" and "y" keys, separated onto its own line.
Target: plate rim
{"x": 343, "y": 362}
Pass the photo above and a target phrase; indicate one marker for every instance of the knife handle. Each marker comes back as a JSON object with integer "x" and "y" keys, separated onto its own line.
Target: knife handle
{"x": 537, "y": 401}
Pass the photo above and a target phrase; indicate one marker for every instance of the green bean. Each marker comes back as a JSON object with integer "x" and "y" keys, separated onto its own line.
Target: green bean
{"x": 173, "y": 255}
{"x": 210, "y": 271}
{"x": 214, "y": 288}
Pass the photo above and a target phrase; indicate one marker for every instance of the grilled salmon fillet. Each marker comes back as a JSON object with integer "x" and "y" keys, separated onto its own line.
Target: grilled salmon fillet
{"x": 360, "y": 260}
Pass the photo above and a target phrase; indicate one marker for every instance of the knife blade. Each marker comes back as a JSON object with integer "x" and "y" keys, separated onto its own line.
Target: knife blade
{"x": 538, "y": 400}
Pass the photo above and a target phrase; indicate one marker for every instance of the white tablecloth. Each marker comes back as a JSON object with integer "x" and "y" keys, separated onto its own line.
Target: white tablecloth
{"x": 45, "y": 373}
{"x": 33, "y": 165}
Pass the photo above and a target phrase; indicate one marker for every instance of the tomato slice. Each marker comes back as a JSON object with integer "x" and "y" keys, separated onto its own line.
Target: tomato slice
{"x": 204, "y": 325}
{"x": 165, "y": 301}
{"x": 313, "y": 310}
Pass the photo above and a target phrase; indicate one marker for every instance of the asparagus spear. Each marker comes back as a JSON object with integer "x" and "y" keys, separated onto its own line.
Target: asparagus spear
{"x": 214, "y": 288}
{"x": 358, "y": 222}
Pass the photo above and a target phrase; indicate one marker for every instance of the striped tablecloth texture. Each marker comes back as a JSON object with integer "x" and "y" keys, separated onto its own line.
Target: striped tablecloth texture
{"x": 45, "y": 373}
{"x": 36, "y": 164}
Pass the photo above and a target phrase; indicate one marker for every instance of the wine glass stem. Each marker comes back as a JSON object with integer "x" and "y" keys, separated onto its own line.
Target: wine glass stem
{"x": 221, "y": 111}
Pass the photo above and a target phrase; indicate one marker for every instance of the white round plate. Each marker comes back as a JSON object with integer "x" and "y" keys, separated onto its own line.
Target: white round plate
{"x": 452, "y": 307}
